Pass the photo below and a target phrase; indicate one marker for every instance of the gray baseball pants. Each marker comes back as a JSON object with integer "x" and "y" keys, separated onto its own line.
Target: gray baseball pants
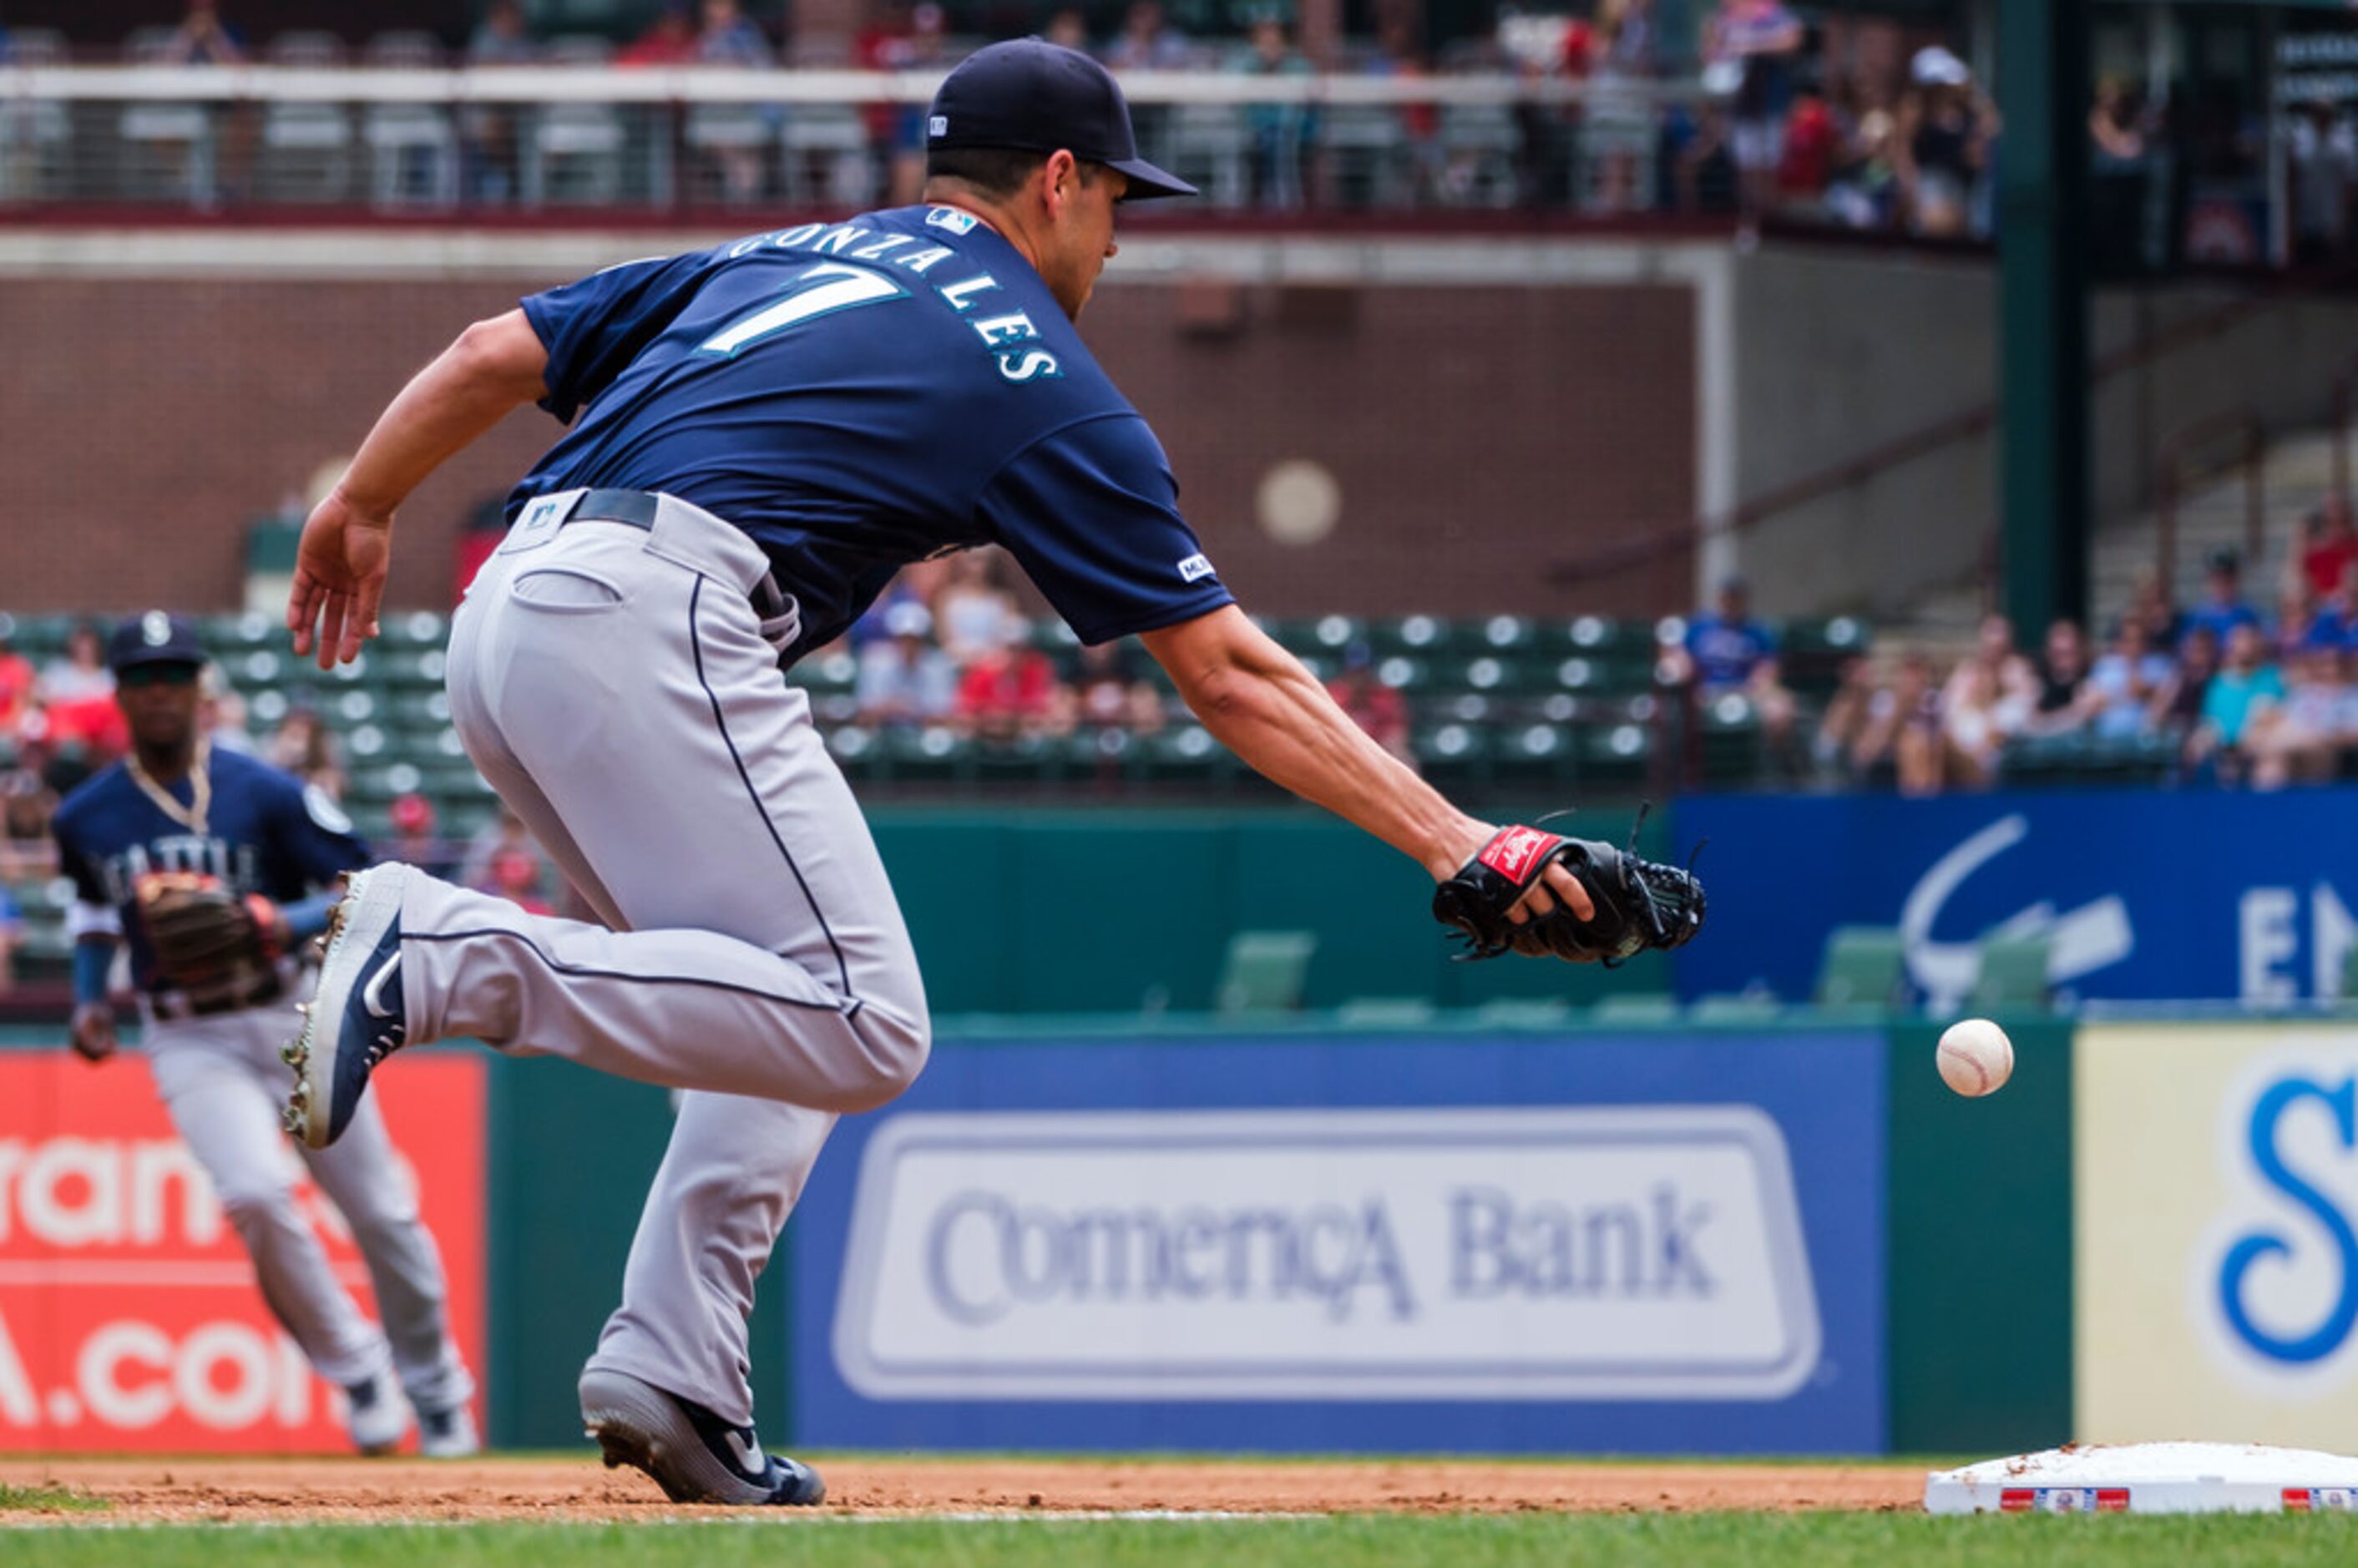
{"x": 616, "y": 686}
{"x": 222, "y": 1082}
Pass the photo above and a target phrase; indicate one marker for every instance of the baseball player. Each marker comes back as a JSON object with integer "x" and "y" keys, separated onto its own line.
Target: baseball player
{"x": 208, "y": 862}
{"x": 762, "y": 434}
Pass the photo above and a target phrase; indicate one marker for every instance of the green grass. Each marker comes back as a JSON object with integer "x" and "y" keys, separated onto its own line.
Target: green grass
{"x": 47, "y": 1498}
{"x": 1689, "y": 1540}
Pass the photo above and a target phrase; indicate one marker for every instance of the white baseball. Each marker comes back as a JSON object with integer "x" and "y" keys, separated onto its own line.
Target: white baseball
{"x": 1974, "y": 1056}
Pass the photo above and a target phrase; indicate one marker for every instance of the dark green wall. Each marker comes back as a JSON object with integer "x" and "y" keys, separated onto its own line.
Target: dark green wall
{"x": 1107, "y": 911}
{"x": 1980, "y": 1250}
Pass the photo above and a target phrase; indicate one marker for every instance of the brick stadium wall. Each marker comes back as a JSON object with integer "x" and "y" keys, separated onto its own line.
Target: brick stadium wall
{"x": 1476, "y": 432}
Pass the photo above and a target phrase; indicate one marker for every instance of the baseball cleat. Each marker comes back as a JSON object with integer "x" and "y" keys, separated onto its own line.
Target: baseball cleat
{"x": 376, "y": 1416}
{"x": 691, "y": 1453}
{"x": 356, "y": 1019}
{"x": 448, "y": 1433}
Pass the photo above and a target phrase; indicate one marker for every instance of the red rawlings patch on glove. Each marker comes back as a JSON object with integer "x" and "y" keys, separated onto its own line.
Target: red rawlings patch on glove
{"x": 1512, "y": 852}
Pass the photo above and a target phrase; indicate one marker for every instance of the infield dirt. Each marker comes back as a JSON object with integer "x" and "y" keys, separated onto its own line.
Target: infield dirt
{"x": 261, "y": 1490}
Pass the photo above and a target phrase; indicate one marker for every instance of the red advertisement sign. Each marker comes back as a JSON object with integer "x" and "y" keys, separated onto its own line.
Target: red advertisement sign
{"x": 129, "y": 1319}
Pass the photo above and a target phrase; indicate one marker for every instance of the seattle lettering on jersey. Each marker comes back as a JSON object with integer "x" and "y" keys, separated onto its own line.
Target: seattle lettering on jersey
{"x": 853, "y": 242}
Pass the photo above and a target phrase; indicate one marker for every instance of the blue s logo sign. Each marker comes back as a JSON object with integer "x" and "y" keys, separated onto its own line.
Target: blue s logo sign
{"x": 2263, "y": 1141}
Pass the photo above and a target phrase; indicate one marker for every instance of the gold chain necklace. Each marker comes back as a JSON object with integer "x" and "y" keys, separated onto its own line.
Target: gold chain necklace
{"x": 200, "y": 788}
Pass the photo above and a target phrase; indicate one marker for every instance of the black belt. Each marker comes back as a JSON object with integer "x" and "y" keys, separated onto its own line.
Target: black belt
{"x": 637, "y": 508}
{"x": 231, "y": 995}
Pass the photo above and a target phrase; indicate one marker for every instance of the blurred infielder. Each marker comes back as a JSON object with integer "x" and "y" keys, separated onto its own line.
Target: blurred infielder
{"x": 762, "y": 434}
{"x": 208, "y": 862}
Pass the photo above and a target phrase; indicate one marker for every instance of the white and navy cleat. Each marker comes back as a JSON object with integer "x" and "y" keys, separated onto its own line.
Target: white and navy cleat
{"x": 448, "y": 1433}
{"x": 376, "y": 1415}
{"x": 356, "y": 1018}
{"x": 691, "y": 1453}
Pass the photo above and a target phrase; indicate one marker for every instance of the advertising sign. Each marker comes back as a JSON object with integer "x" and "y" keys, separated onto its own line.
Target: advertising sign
{"x": 1339, "y": 1244}
{"x": 2110, "y": 878}
{"x": 129, "y": 1319}
{"x": 2217, "y": 1223}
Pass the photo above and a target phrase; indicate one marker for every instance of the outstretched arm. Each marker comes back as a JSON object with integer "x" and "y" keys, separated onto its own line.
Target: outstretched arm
{"x": 1257, "y": 700}
{"x": 494, "y": 367}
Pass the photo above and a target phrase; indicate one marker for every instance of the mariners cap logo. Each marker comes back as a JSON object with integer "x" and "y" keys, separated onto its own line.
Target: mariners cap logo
{"x": 154, "y": 628}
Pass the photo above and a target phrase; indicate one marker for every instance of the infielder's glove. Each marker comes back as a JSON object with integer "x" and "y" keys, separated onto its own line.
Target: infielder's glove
{"x": 207, "y": 940}
{"x": 1639, "y": 903}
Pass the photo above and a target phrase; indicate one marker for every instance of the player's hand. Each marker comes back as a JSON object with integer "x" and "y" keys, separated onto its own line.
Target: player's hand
{"x": 339, "y": 581}
{"x": 94, "y": 1031}
{"x": 1557, "y": 885}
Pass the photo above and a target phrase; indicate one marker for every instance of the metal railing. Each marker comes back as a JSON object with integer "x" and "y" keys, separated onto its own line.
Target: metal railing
{"x": 553, "y": 136}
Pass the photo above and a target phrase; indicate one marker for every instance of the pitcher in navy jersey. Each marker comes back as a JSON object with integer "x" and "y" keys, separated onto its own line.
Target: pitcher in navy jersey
{"x": 176, "y": 805}
{"x": 763, "y": 433}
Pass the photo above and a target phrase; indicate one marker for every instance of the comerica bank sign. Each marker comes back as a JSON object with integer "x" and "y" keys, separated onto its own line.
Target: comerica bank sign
{"x": 1558, "y": 1253}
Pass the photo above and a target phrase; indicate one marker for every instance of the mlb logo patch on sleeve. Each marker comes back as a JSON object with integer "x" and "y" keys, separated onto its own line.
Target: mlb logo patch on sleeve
{"x": 1194, "y": 568}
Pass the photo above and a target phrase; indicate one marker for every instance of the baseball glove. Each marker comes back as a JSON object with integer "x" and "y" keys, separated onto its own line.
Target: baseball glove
{"x": 1639, "y": 903}
{"x": 207, "y": 940}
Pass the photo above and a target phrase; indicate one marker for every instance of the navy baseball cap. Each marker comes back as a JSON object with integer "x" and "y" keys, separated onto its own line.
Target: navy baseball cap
{"x": 1037, "y": 96}
{"x": 155, "y": 637}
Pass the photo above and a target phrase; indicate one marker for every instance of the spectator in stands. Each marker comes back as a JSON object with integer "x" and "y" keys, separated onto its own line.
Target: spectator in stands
{"x": 1069, "y": 30}
{"x": 12, "y": 937}
{"x": 2066, "y": 699}
{"x": 1813, "y": 144}
{"x": 669, "y": 40}
{"x": 1103, "y": 686}
{"x": 1863, "y": 188}
{"x": 500, "y": 39}
{"x": 26, "y": 804}
{"x": 1942, "y": 144}
{"x": 2300, "y": 739}
{"x": 1727, "y": 651}
{"x": 1378, "y": 709}
{"x": 1147, "y": 41}
{"x": 516, "y": 876}
{"x": 1903, "y": 743}
{"x": 16, "y": 684}
{"x": 1399, "y": 55}
{"x": 307, "y": 747}
{"x": 1977, "y": 721}
{"x": 203, "y": 38}
{"x": 902, "y": 38}
{"x": 80, "y": 722}
{"x": 1703, "y": 175}
{"x": 412, "y": 841}
{"x": 2013, "y": 684}
{"x": 2223, "y": 608}
{"x": 2177, "y": 705}
{"x": 1619, "y": 123}
{"x": 904, "y": 678}
{"x": 2125, "y": 682}
{"x": 2335, "y": 624}
{"x": 2247, "y": 687}
{"x": 221, "y": 712}
{"x": 730, "y": 37}
{"x": 504, "y": 834}
{"x": 1006, "y": 693}
{"x": 2296, "y": 612}
{"x": 1281, "y": 133}
{"x": 1759, "y": 44}
{"x": 2116, "y": 124}
{"x": 2329, "y": 547}
{"x": 973, "y": 612}
{"x": 2149, "y": 605}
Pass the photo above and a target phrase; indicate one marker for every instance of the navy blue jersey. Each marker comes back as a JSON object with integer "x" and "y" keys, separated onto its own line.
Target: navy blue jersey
{"x": 860, "y": 395}
{"x": 266, "y": 833}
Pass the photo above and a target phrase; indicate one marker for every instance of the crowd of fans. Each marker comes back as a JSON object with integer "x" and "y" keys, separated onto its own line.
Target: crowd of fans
{"x": 1883, "y": 140}
{"x": 2223, "y": 693}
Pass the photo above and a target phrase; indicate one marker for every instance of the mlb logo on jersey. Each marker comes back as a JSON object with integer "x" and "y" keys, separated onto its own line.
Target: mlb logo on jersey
{"x": 949, "y": 218}
{"x": 1194, "y": 568}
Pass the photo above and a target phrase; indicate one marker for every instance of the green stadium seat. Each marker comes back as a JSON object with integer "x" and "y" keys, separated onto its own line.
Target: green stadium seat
{"x": 1186, "y": 754}
{"x": 414, "y": 629}
{"x": 1534, "y": 753}
{"x": 1617, "y": 753}
{"x": 1738, "y": 1007}
{"x": 2013, "y": 976}
{"x": 1524, "y": 1013}
{"x": 931, "y": 755}
{"x": 1417, "y": 636}
{"x": 1635, "y": 1007}
{"x": 1504, "y": 635}
{"x": 1863, "y": 967}
{"x": 1452, "y": 753}
{"x": 1264, "y": 971}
